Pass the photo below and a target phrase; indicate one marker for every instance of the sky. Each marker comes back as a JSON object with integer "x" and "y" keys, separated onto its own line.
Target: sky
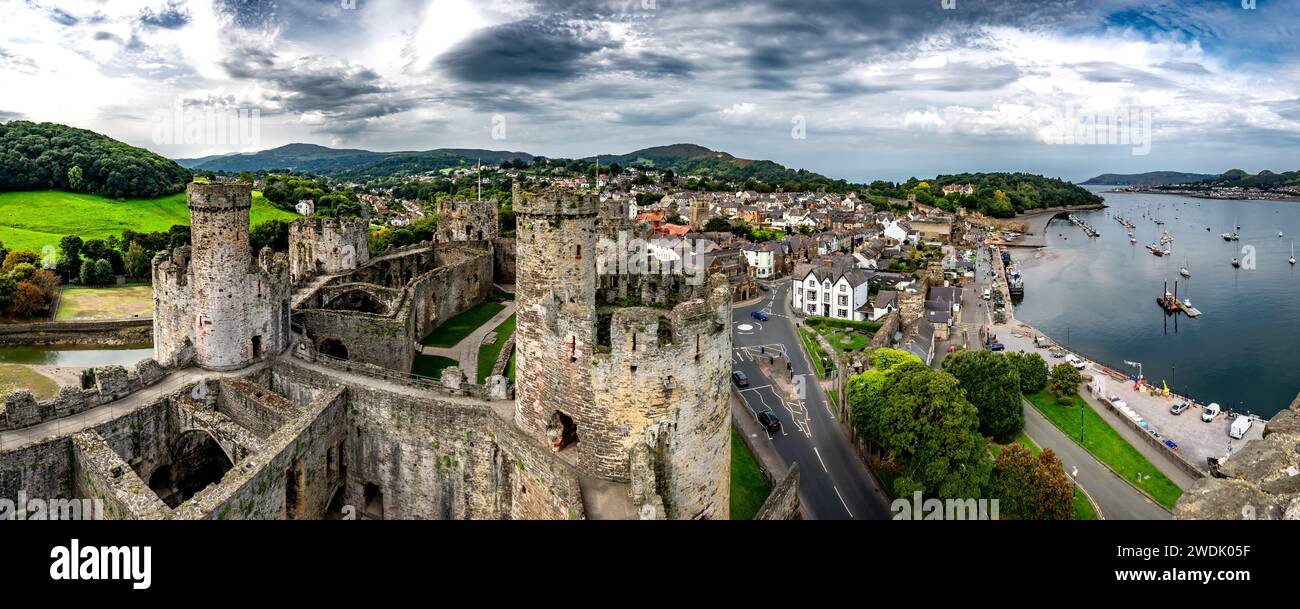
{"x": 861, "y": 90}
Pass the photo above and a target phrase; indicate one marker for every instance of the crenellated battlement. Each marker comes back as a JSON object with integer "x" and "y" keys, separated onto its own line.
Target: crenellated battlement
{"x": 219, "y": 195}
{"x": 560, "y": 203}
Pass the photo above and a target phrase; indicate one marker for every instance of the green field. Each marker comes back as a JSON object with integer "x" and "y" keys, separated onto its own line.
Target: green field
{"x": 749, "y": 487}
{"x": 1100, "y": 439}
{"x": 105, "y": 303}
{"x": 460, "y": 326}
{"x": 487, "y": 354}
{"x": 32, "y": 220}
{"x": 17, "y": 376}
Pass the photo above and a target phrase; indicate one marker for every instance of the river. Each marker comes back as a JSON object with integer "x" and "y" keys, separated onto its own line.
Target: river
{"x": 67, "y": 356}
{"x": 1098, "y": 295}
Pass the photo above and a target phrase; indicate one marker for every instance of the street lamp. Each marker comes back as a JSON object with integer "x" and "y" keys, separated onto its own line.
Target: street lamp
{"x": 1137, "y": 365}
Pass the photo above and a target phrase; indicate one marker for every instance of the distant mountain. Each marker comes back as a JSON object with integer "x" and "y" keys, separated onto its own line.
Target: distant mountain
{"x": 692, "y": 159}
{"x": 50, "y": 156}
{"x": 353, "y": 162}
{"x": 1150, "y": 178}
{"x": 195, "y": 162}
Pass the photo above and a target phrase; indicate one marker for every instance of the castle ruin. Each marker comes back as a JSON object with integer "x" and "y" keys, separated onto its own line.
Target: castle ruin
{"x": 622, "y": 408}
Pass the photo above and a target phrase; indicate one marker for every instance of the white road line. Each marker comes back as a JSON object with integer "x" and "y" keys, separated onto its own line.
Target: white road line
{"x": 819, "y": 458}
{"x": 842, "y": 502}
{"x": 754, "y": 388}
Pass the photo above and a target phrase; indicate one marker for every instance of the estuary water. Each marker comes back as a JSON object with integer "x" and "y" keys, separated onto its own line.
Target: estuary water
{"x": 1099, "y": 295}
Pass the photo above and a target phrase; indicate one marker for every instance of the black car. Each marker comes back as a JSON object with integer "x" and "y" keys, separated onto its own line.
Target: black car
{"x": 768, "y": 419}
{"x": 740, "y": 378}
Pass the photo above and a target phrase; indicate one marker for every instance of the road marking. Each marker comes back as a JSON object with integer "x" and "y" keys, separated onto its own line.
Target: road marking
{"x": 819, "y": 458}
{"x": 755, "y": 388}
{"x": 842, "y": 502}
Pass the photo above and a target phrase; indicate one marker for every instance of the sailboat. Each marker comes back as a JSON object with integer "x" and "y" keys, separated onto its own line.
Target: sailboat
{"x": 1236, "y": 264}
{"x": 1183, "y": 271}
{"x": 1292, "y": 258}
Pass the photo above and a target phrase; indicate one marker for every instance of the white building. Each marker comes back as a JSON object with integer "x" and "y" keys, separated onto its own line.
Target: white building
{"x": 761, "y": 258}
{"x": 305, "y": 207}
{"x": 826, "y": 292}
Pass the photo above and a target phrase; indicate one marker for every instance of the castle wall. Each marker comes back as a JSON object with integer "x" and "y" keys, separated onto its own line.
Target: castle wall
{"x": 503, "y": 261}
{"x": 327, "y": 246}
{"x": 42, "y": 470}
{"x": 465, "y": 220}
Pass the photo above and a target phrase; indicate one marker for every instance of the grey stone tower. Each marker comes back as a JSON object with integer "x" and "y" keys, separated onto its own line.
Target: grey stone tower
{"x": 220, "y": 259}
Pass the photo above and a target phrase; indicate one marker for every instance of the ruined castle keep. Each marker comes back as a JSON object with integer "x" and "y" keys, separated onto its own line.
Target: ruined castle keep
{"x": 465, "y": 220}
{"x": 620, "y": 375}
{"x": 327, "y": 246}
{"x": 212, "y": 302}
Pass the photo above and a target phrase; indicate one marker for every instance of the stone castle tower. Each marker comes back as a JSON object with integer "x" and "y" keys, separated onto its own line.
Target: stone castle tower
{"x": 327, "y": 245}
{"x": 212, "y": 302}
{"x": 636, "y": 391}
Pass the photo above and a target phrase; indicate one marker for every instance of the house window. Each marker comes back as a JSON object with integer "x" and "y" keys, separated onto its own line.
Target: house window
{"x": 844, "y": 300}
{"x": 844, "y": 313}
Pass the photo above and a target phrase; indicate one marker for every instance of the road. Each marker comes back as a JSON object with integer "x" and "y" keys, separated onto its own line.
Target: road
{"x": 834, "y": 483}
{"x": 1115, "y": 497}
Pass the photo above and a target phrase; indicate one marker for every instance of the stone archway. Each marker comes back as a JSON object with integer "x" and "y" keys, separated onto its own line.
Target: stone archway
{"x": 332, "y": 347}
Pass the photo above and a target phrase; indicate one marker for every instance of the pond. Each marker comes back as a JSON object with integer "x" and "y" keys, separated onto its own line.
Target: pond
{"x": 72, "y": 356}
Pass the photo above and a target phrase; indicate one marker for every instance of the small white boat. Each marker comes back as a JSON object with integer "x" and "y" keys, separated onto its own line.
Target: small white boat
{"x": 1280, "y": 235}
{"x": 1236, "y": 264}
{"x": 1132, "y": 239}
{"x": 1292, "y": 258}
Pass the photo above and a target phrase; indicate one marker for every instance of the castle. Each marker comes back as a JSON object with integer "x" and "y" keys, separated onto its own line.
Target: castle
{"x": 285, "y": 390}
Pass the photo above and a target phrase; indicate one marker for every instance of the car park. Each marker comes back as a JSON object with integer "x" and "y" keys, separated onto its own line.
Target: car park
{"x": 1210, "y": 412}
{"x": 1240, "y": 426}
{"x": 1117, "y": 402}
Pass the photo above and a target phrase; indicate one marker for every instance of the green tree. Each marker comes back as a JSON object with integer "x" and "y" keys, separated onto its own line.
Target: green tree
{"x": 1065, "y": 379}
{"x": 1032, "y": 488}
{"x": 272, "y": 233}
{"x": 717, "y": 225}
{"x": 992, "y": 383}
{"x": 1033, "y": 371}
{"x": 885, "y": 358}
{"x": 76, "y": 181}
{"x": 137, "y": 261}
{"x": 69, "y": 265}
{"x": 928, "y": 430}
{"x": 27, "y": 299}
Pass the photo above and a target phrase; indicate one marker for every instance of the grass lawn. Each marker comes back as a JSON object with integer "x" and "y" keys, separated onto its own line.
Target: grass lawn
{"x": 32, "y": 220}
{"x": 1100, "y": 439}
{"x": 105, "y": 303}
{"x": 814, "y": 350}
{"x": 848, "y": 341}
{"x": 510, "y": 370}
{"x": 17, "y": 376}
{"x": 430, "y": 365}
{"x": 460, "y": 326}
{"x": 749, "y": 487}
{"x": 487, "y": 354}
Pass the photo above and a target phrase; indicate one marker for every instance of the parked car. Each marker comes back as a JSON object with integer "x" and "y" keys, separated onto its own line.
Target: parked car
{"x": 1240, "y": 426}
{"x": 759, "y": 315}
{"x": 997, "y": 347}
{"x": 1077, "y": 362}
{"x": 768, "y": 420}
{"x": 1117, "y": 402}
{"x": 988, "y": 293}
{"x": 1178, "y": 408}
{"x": 740, "y": 378}
{"x": 1210, "y": 412}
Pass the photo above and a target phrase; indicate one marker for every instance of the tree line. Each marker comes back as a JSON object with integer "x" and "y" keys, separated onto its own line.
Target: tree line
{"x": 49, "y": 156}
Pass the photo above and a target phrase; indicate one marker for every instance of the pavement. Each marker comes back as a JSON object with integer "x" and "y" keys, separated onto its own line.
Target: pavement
{"x": 834, "y": 483}
{"x": 465, "y": 352}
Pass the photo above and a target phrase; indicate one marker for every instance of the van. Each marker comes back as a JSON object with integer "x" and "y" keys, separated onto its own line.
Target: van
{"x": 1240, "y": 426}
{"x": 1210, "y": 412}
{"x": 988, "y": 293}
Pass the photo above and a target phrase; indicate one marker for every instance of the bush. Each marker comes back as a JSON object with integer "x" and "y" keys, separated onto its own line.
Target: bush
{"x": 1065, "y": 379}
{"x": 1033, "y": 371}
{"x": 869, "y": 326}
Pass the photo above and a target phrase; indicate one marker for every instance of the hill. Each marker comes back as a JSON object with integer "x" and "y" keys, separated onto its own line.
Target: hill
{"x": 32, "y": 220}
{"x": 692, "y": 159}
{"x": 1150, "y": 178}
{"x": 312, "y": 158}
{"x": 44, "y": 156}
